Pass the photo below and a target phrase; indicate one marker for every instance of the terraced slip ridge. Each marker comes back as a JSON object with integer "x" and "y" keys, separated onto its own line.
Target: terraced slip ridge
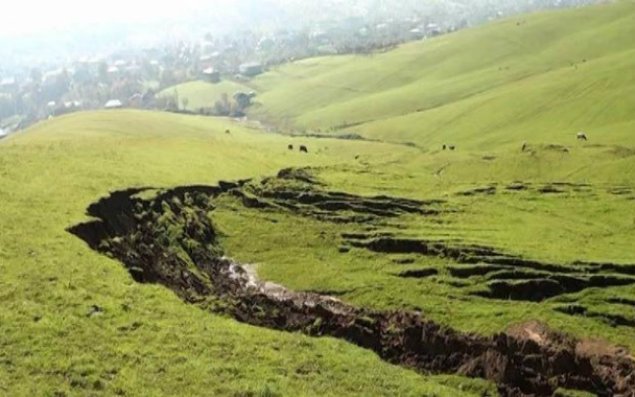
{"x": 170, "y": 239}
{"x": 508, "y": 276}
{"x": 302, "y": 195}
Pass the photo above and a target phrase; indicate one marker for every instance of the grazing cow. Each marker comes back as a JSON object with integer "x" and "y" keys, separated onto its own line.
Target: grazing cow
{"x": 303, "y": 149}
{"x": 290, "y": 147}
{"x": 451, "y": 147}
{"x": 581, "y": 136}
{"x": 445, "y": 146}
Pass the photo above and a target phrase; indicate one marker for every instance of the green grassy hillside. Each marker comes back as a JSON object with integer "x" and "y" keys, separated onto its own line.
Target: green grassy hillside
{"x": 553, "y": 207}
{"x": 537, "y": 78}
{"x": 147, "y": 342}
{"x": 200, "y": 94}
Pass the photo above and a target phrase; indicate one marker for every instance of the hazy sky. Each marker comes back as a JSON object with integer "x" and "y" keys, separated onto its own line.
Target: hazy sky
{"x": 20, "y": 17}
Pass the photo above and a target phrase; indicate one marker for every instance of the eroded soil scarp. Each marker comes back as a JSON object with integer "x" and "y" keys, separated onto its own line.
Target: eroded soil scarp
{"x": 170, "y": 239}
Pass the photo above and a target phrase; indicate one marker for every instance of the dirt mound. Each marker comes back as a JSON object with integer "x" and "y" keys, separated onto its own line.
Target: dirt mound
{"x": 171, "y": 240}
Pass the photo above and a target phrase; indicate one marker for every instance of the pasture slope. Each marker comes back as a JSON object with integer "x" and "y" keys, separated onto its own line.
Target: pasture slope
{"x": 74, "y": 323}
{"x": 532, "y": 78}
{"x": 485, "y": 237}
{"x": 201, "y": 94}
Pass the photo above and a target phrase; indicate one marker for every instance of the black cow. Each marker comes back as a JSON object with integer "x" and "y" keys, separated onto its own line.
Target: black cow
{"x": 304, "y": 149}
{"x": 290, "y": 147}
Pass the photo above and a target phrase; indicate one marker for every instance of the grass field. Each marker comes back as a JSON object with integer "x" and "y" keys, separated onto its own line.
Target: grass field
{"x": 545, "y": 77}
{"x": 200, "y": 94}
{"x": 539, "y": 78}
{"x": 147, "y": 342}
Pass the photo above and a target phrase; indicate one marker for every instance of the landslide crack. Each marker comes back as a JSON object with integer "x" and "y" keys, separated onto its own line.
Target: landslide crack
{"x": 170, "y": 239}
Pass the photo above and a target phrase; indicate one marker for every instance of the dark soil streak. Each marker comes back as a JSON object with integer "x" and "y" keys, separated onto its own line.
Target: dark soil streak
{"x": 614, "y": 320}
{"x": 509, "y": 276}
{"x": 171, "y": 240}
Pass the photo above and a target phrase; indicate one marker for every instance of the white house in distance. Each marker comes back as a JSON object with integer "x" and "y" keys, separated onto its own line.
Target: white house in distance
{"x": 211, "y": 75}
{"x": 3, "y": 133}
{"x": 113, "y": 104}
{"x": 8, "y": 85}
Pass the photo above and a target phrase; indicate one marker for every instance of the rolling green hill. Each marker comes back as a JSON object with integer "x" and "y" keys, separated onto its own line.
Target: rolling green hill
{"x": 147, "y": 342}
{"x": 502, "y": 236}
{"x": 200, "y": 94}
{"x": 538, "y": 78}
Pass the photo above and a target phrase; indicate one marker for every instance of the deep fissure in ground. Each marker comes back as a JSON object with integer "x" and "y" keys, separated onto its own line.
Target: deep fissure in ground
{"x": 170, "y": 239}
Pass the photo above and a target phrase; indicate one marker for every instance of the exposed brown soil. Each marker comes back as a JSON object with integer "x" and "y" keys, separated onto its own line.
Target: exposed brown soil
{"x": 517, "y": 186}
{"x": 622, "y": 301}
{"x": 550, "y": 189}
{"x": 486, "y": 190}
{"x": 171, "y": 240}
{"x": 612, "y": 319}
{"x": 404, "y": 261}
{"x": 302, "y": 194}
{"x": 419, "y": 273}
{"x": 473, "y": 270}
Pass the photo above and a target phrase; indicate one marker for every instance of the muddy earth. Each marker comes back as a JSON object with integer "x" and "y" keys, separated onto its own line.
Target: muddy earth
{"x": 170, "y": 239}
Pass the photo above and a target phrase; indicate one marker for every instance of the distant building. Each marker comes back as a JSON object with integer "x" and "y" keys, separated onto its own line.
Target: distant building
{"x": 206, "y": 61}
{"x": 319, "y": 36}
{"x": 51, "y": 77}
{"x": 8, "y": 85}
{"x": 417, "y": 34}
{"x": 211, "y": 75}
{"x": 251, "y": 69}
{"x": 135, "y": 101}
{"x": 113, "y": 104}
{"x": 72, "y": 105}
{"x": 3, "y": 133}
{"x": 433, "y": 29}
{"x": 133, "y": 70}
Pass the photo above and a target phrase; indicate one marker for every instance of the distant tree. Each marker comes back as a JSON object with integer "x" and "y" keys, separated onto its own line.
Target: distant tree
{"x": 223, "y": 106}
